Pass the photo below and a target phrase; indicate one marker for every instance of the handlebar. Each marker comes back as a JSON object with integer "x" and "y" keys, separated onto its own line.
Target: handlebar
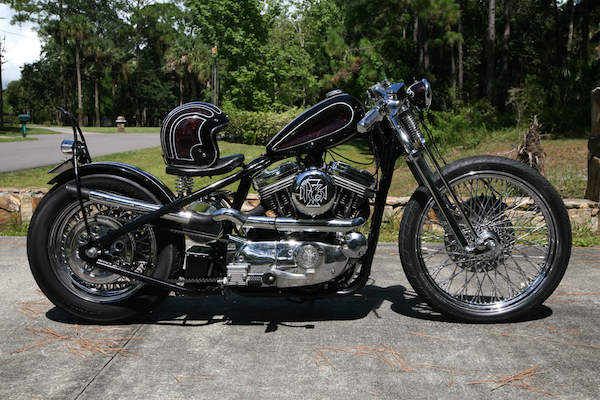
{"x": 371, "y": 118}
{"x": 387, "y": 97}
{"x": 391, "y": 98}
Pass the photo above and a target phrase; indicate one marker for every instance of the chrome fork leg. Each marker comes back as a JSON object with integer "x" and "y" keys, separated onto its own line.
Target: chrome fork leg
{"x": 426, "y": 175}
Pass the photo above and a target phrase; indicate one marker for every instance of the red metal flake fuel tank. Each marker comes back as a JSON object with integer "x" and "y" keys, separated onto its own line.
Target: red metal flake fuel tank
{"x": 325, "y": 125}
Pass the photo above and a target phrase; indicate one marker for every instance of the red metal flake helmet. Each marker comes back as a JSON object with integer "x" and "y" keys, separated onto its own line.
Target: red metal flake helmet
{"x": 188, "y": 134}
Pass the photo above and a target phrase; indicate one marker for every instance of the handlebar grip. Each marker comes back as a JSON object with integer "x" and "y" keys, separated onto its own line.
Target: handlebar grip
{"x": 372, "y": 117}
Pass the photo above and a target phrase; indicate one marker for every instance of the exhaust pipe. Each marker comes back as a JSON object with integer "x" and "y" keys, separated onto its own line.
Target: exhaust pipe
{"x": 182, "y": 217}
{"x": 287, "y": 224}
{"x": 192, "y": 218}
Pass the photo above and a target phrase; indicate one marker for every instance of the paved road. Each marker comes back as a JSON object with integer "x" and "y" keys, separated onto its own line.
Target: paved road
{"x": 352, "y": 348}
{"x": 45, "y": 151}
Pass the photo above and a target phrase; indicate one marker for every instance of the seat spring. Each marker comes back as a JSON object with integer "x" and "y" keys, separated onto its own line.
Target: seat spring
{"x": 184, "y": 185}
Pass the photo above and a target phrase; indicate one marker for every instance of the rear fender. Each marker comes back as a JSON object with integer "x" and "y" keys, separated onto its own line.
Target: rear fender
{"x": 139, "y": 176}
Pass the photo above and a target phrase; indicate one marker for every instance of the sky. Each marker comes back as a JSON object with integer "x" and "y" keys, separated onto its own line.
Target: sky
{"x": 20, "y": 45}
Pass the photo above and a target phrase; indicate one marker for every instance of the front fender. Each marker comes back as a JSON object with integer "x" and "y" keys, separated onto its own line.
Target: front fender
{"x": 141, "y": 177}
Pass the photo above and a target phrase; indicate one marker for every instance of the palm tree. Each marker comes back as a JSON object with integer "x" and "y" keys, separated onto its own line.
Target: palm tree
{"x": 189, "y": 58}
{"x": 75, "y": 29}
{"x": 176, "y": 60}
{"x": 101, "y": 53}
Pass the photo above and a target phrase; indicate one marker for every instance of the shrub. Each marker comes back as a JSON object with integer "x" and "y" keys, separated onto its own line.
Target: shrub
{"x": 42, "y": 117}
{"x": 256, "y": 128}
{"x": 466, "y": 128}
{"x": 11, "y": 120}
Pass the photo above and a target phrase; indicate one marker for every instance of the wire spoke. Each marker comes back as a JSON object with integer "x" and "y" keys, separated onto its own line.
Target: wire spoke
{"x": 507, "y": 210}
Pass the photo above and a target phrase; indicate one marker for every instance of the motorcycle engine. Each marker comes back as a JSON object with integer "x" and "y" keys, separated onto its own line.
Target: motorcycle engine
{"x": 289, "y": 259}
{"x": 335, "y": 190}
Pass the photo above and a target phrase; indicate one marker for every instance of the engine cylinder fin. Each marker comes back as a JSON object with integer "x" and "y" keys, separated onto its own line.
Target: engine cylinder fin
{"x": 336, "y": 190}
{"x": 277, "y": 186}
{"x": 350, "y": 185}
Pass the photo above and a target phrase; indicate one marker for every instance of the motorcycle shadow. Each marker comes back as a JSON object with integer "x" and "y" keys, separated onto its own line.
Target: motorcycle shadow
{"x": 275, "y": 312}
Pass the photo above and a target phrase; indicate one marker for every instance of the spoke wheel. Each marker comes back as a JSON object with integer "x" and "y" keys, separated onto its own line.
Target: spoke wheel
{"x": 57, "y": 232}
{"x": 134, "y": 251}
{"x": 524, "y": 242}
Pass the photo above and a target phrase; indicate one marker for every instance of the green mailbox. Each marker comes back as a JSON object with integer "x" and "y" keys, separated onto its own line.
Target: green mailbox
{"x": 24, "y": 118}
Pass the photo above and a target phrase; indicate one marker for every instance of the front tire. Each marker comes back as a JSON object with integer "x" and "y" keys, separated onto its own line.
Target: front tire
{"x": 58, "y": 229}
{"x": 509, "y": 202}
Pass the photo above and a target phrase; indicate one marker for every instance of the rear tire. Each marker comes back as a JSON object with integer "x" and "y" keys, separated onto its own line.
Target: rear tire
{"x": 517, "y": 207}
{"x": 56, "y": 231}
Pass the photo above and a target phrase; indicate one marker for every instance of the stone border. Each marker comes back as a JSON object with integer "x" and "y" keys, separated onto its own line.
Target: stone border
{"x": 22, "y": 202}
{"x": 583, "y": 212}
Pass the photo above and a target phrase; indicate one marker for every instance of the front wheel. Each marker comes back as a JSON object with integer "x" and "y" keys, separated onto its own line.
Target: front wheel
{"x": 58, "y": 230}
{"x": 529, "y": 234}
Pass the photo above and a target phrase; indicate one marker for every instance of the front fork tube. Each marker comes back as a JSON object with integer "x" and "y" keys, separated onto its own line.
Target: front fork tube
{"x": 425, "y": 175}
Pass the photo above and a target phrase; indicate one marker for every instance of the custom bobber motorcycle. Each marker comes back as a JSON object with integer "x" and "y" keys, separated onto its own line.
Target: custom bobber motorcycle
{"x": 483, "y": 239}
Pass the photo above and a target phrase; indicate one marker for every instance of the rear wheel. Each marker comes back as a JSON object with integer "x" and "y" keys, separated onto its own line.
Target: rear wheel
{"x": 527, "y": 234}
{"x": 58, "y": 229}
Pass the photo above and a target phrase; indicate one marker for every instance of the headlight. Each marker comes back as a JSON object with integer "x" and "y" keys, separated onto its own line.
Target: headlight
{"x": 420, "y": 94}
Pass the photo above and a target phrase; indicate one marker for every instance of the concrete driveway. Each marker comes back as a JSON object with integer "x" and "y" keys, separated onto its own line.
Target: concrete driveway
{"x": 384, "y": 344}
{"x": 45, "y": 151}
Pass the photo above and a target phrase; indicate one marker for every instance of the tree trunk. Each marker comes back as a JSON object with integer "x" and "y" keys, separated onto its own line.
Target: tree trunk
{"x": 571, "y": 14}
{"x": 490, "y": 50}
{"x": 506, "y": 39}
{"x": 418, "y": 41}
{"x": 503, "y": 91}
{"x": 425, "y": 39}
{"x": 97, "y": 100}
{"x": 557, "y": 35}
{"x": 460, "y": 55}
{"x": 416, "y": 28}
{"x": 593, "y": 186}
{"x": 79, "y": 97}
{"x": 193, "y": 86}
{"x": 453, "y": 73}
{"x": 114, "y": 85}
{"x": 180, "y": 90}
{"x": 585, "y": 29}
{"x": 138, "y": 113}
{"x": 64, "y": 85}
{"x": 62, "y": 70}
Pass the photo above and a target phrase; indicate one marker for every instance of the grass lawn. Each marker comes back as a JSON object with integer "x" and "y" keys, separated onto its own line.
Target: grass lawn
{"x": 128, "y": 129}
{"x": 147, "y": 159}
{"x": 566, "y": 164}
{"x": 12, "y": 133}
{"x": 15, "y": 134}
{"x": 566, "y": 169}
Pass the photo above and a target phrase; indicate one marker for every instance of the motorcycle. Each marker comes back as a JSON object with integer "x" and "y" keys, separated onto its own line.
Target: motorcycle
{"x": 482, "y": 239}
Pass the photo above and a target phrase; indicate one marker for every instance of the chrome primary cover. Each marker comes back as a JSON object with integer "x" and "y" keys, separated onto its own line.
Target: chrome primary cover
{"x": 288, "y": 264}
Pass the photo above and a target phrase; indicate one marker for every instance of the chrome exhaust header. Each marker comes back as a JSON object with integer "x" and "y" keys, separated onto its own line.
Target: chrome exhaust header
{"x": 225, "y": 214}
{"x": 287, "y": 224}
